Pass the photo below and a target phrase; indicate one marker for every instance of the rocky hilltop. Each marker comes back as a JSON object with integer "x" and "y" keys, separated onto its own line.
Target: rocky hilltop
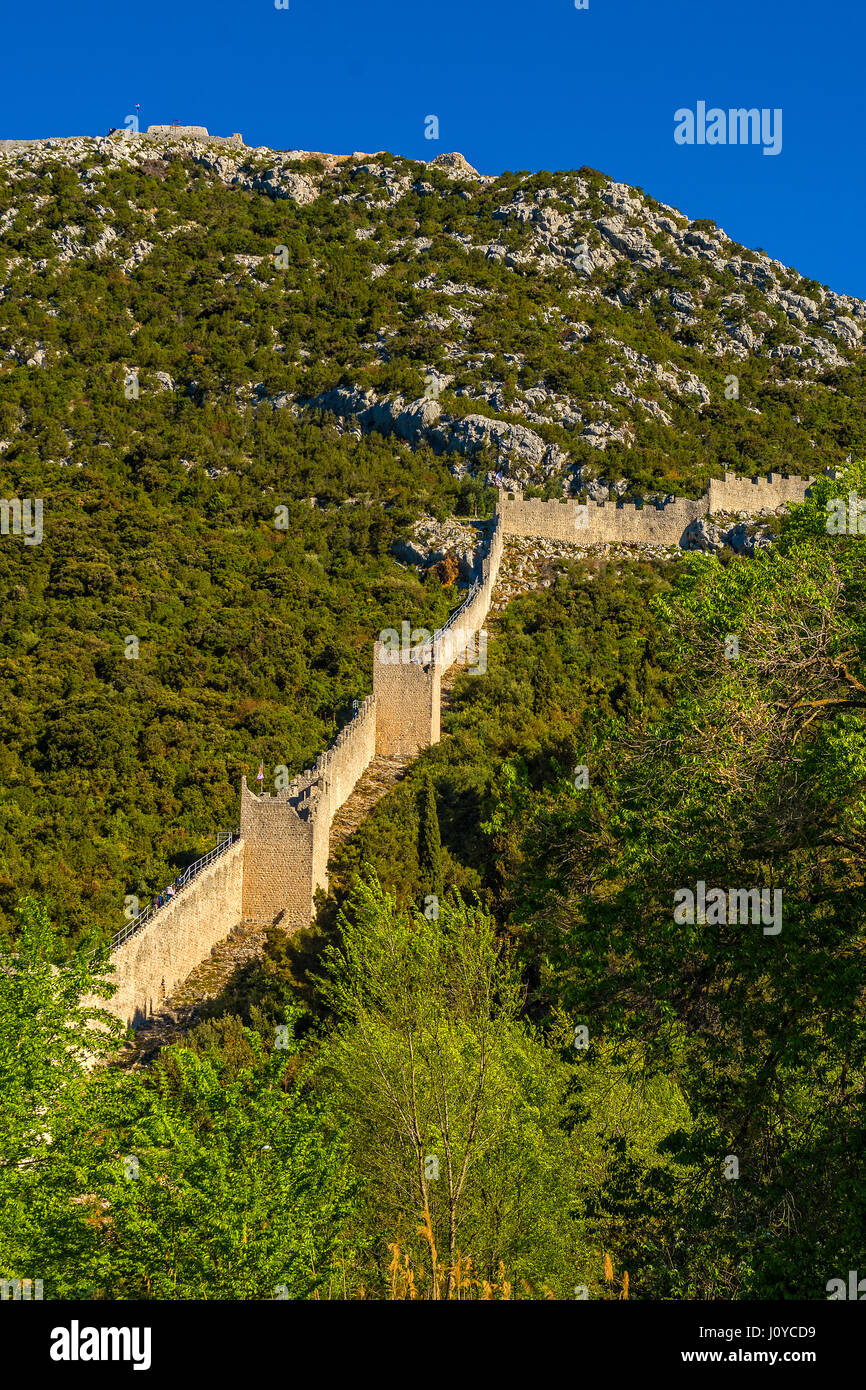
{"x": 561, "y": 330}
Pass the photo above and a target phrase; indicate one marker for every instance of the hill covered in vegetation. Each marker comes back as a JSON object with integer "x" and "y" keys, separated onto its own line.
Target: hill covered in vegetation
{"x": 498, "y": 1064}
{"x": 169, "y": 313}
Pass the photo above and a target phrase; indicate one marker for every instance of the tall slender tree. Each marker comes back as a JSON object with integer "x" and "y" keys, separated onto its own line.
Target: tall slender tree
{"x": 429, "y": 841}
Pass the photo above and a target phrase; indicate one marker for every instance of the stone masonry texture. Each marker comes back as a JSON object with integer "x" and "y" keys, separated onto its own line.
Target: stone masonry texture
{"x": 159, "y": 957}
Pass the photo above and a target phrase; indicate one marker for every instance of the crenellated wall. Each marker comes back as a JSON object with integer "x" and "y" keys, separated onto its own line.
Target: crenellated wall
{"x": 407, "y": 700}
{"x": 736, "y": 494}
{"x": 459, "y": 634}
{"x": 348, "y": 757}
{"x": 287, "y": 834}
{"x": 273, "y": 871}
{"x": 643, "y": 523}
{"x": 278, "y": 835}
{"x": 407, "y": 683}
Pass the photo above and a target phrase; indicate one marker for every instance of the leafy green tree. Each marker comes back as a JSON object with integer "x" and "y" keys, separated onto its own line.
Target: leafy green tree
{"x": 206, "y": 1178}
{"x": 52, "y": 1030}
{"x": 752, "y": 778}
{"x": 455, "y": 1108}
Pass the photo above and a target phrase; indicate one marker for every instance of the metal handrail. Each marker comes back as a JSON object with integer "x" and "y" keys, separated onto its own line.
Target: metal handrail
{"x": 225, "y": 840}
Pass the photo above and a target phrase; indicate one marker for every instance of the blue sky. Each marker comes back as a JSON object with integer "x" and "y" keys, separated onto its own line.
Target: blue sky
{"x": 514, "y": 86}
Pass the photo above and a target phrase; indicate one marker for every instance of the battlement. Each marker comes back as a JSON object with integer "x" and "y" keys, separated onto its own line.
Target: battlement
{"x": 739, "y": 494}
{"x": 273, "y": 871}
{"x": 641, "y": 522}
{"x": 407, "y": 684}
{"x": 287, "y": 833}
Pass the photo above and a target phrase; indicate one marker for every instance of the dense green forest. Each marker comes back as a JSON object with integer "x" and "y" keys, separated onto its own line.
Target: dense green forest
{"x": 568, "y": 1163}
{"x": 497, "y": 1065}
{"x": 120, "y": 763}
{"x": 160, "y": 497}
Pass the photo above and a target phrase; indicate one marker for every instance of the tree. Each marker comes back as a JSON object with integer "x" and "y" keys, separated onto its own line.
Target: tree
{"x": 52, "y": 1029}
{"x": 429, "y": 841}
{"x": 753, "y": 778}
{"x": 455, "y": 1110}
{"x": 211, "y": 1176}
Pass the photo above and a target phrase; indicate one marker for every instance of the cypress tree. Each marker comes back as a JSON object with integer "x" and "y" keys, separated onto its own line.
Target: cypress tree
{"x": 543, "y": 689}
{"x": 429, "y": 841}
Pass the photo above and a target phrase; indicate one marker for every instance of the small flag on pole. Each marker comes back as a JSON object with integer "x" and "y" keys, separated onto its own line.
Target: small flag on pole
{"x": 260, "y": 775}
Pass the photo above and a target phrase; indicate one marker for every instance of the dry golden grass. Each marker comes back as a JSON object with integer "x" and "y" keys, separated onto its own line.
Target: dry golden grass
{"x": 422, "y": 1275}
{"x": 609, "y": 1278}
{"x": 408, "y": 1280}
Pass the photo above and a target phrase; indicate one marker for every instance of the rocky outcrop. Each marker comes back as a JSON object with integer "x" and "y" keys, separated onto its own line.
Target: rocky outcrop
{"x": 743, "y": 537}
{"x": 529, "y": 411}
{"x": 519, "y": 449}
{"x": 455, "y": 166}
{"x": 433, "y": 542}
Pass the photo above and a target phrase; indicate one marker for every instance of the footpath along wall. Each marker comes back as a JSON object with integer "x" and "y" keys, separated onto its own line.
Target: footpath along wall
{"x": 150, "y": 965}
{"x": 272, "y": 871}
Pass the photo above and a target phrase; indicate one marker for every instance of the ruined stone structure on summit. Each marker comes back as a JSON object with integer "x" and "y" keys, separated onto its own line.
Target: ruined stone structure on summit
{"x": 154, "y": 132}
{"x": 271, "y": 873}
{"x": 193, "y": 132}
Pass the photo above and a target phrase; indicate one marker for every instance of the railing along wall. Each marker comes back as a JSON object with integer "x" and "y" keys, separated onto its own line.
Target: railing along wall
{"x": 225, "y": 840}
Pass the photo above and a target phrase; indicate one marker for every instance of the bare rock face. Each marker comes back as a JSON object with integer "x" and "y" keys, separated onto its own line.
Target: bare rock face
{"x": 517, "y": 446}
{"x": 470, "y": 434}
{"x": 702, "y": 534}
{"x": 578, "y": 225}
{"x": 447, "y": 546}
{"x": 632, "y": 242}
{"x": 744, "y": 537}
{"x": 456, "y": 165}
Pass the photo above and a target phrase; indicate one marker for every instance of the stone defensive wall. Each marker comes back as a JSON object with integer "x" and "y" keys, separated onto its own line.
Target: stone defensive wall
{"x": 407, "y": 684}
{"x": 191, "y": 132}
{"x": 736, "y": 494}
{"x": 159, "y": 957}
{"x": 287, "y": 833}
{"x": 451, "y": 641}
{"x": 595, "y": 522}
{"x": 644, "y": 523}
{"x": 272, "y": 872}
